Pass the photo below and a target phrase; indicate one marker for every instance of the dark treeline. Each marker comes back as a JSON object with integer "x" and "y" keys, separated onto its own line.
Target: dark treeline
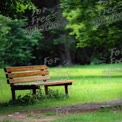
{"x": 60, "y": 33}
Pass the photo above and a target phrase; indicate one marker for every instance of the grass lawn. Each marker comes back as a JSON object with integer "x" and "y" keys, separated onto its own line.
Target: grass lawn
{"x": 94, "y": 83}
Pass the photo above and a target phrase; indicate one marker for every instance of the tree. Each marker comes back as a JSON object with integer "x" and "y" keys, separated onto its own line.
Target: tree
{"x": 16, "y": 42}
{"x": 15, "y": 8}
{"x": 49, "y": 18}
{"x": 64, "y": 45}
{"x": 95, "y": 24}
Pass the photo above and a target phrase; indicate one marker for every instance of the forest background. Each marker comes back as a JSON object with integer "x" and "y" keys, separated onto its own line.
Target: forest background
{"x": 60, "y": 33}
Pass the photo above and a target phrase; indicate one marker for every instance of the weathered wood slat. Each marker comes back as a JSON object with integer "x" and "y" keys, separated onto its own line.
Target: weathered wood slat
{"x": 24, "y": 74}
{"x": 25, "y": 68}
{"x": 28, "y": 79}
{"x": 49, "y": 83}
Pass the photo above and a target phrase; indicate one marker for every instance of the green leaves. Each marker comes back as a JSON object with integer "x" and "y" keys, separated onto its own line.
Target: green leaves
{"x": 87, "y": 18}
{"x": 16, "y": 42}
{"x": 24, "y": 5}
{"x": 15, "y": 8}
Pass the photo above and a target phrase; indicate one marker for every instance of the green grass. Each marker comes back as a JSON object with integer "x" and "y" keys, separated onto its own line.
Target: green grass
{"x": 106, "y": 115}
{"x": 94, "y": 83}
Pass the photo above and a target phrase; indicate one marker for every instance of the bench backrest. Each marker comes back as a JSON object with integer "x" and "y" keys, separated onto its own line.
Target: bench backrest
{"x": 23, "y": 74}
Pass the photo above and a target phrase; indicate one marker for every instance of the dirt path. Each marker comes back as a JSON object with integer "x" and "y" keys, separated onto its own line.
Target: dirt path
{"x": 48, "y": 114}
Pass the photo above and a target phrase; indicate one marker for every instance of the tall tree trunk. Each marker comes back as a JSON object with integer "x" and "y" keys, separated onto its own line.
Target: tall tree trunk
{"x": 65, "y": 53}
{"x": 67, "y": 61}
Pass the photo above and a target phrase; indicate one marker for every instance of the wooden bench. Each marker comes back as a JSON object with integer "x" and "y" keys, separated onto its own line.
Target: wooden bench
{"x": 32, "y": 77}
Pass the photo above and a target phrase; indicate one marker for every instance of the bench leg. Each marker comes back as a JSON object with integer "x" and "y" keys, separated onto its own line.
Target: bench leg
{"x": 13, "y": 94}
{"x": 46, "y": 90}
{"x": 34, "y": 91}
{"x": 66, "y": 89}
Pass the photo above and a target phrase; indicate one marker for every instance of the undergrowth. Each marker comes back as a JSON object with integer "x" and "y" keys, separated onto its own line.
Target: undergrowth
{"x": 30, "y": 99}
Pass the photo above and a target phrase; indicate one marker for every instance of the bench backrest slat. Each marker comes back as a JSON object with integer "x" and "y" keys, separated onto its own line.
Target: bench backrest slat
{"x": 28, "y": 79}
{"x": 23, "y": 74}
{"x": 25, "y": 68}
{"x": 19, "y": 74}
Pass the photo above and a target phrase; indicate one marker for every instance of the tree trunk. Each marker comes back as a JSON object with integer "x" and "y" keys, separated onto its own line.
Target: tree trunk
{"x": 65, "y": 55}
{"x": 67, "y": 60}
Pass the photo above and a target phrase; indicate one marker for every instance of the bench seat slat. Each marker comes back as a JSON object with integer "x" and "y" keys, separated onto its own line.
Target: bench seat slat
{"x": 48, "y": 83}
{"x": 51, "y": 83}
{"x": 28, "y": 79}
{"x": 19, "y": 74}
{"x": 25, "y": 68}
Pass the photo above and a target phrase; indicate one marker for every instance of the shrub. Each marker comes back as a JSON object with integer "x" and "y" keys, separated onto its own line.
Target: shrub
{"x": 16, "y": 43}
{"x": 30, "y": 99}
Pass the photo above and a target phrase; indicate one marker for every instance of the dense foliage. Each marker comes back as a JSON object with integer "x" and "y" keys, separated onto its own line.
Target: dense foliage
{"x": 16, "y": 42}
{"x": 93, "y": 30}
{"x": 15, "y": 8}
{"x": 95, "y": 24}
